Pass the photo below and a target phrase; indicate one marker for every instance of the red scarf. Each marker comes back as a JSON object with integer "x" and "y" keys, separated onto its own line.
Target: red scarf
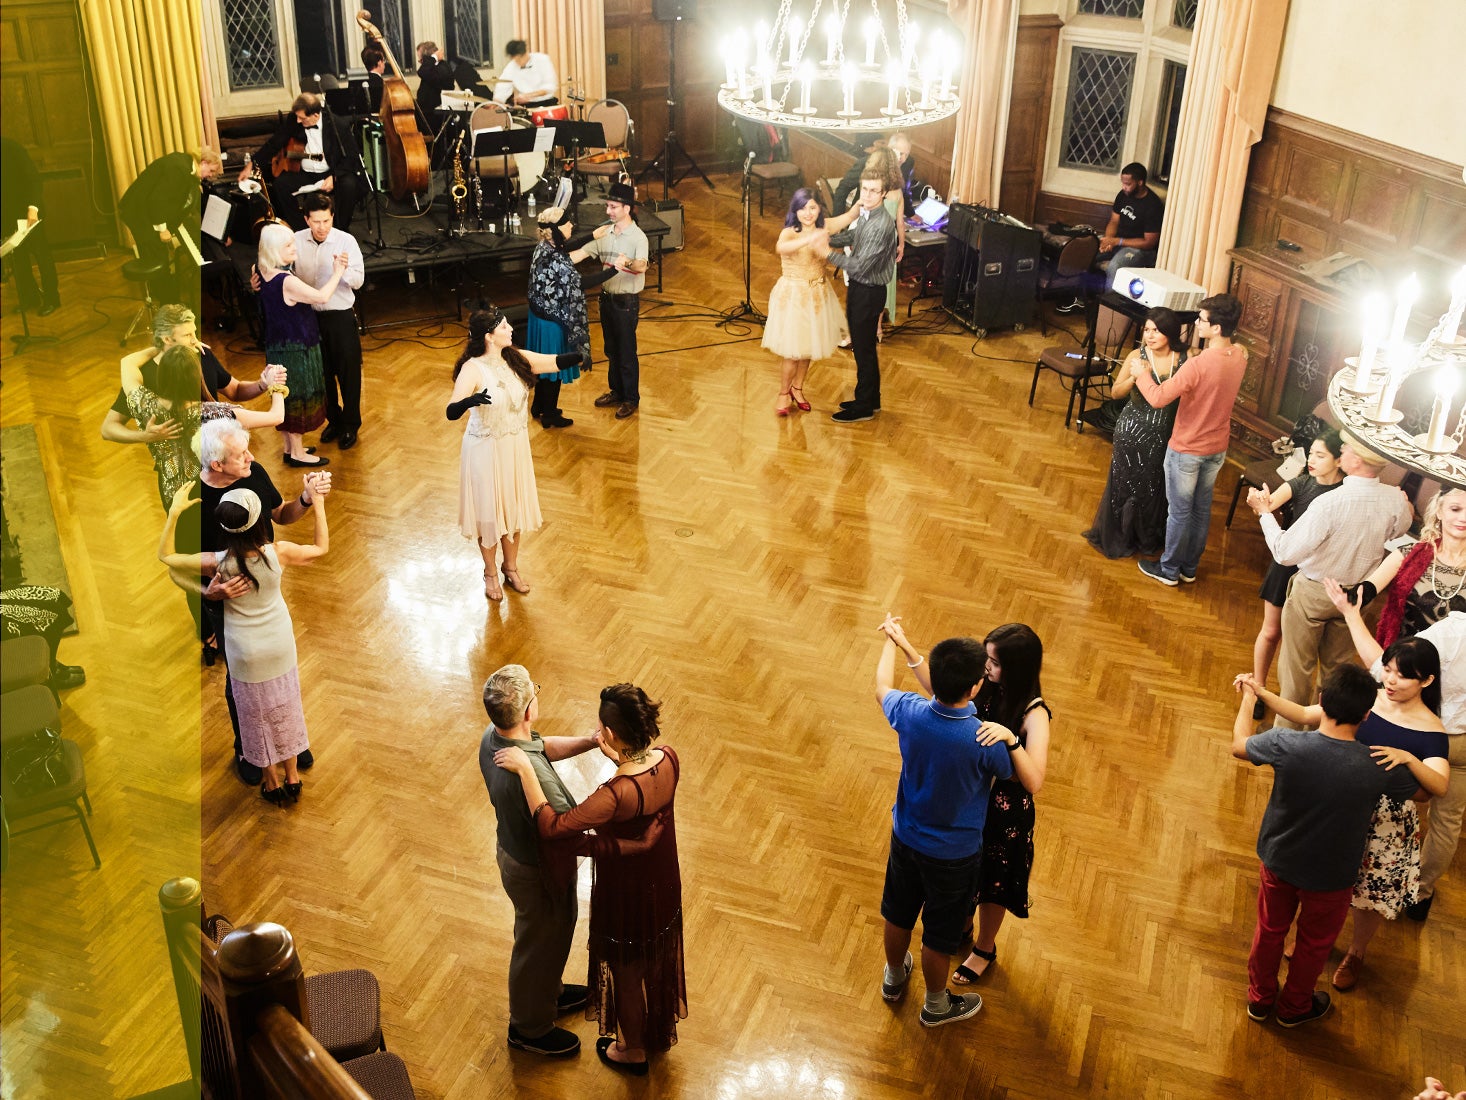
{"x": 1417, "y": 561}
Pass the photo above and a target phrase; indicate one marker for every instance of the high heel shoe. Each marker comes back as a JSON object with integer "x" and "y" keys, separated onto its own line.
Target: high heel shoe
{"x": 782, "y": 410}
{"x": 275, "y": 795}
{"x": 491, "y": 586}
{"x": 515, "y": 581}
{"x": 292, "y": 790}
{"x": 804, "y": 406}
{"x": 210, "y": 653}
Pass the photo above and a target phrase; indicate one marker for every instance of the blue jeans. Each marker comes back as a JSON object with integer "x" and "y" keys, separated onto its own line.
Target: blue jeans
{"x": 1189, "y": 483}
{"x": 1127, "y": 257}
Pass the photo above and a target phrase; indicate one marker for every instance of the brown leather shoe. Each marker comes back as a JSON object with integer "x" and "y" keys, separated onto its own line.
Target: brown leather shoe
{"x": 625, "y": 409}
{"x": 607, "y": 399}
{"x": 1347, "y": 976}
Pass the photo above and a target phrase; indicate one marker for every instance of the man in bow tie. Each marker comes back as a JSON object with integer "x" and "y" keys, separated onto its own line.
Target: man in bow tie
{"x": 316, "y": 157}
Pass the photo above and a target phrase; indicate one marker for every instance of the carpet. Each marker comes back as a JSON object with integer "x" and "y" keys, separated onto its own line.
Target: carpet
{"x": 32, "y": 550}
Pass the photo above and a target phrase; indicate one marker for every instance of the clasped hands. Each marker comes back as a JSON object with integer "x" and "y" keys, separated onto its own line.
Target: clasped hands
{"x": 1260, "y": 500}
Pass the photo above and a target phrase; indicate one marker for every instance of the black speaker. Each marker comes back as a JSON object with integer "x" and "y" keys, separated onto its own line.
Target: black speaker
{"x": 669, "y": 211}
{"x": 665, "y": 11}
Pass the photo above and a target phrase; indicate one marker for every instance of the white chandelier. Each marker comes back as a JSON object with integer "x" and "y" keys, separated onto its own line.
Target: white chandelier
{"x": 775, "y": 73}
{"x": 1363, "y": 394}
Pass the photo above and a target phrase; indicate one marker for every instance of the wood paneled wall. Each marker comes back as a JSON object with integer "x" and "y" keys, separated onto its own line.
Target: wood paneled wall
{"x": 1329, "y": 190}
{"x": 45, "y": 99}
{"x": 1028, "y": 113}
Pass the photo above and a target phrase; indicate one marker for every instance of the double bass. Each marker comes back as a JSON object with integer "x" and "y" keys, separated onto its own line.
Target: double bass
{"x": 407, "y": 151}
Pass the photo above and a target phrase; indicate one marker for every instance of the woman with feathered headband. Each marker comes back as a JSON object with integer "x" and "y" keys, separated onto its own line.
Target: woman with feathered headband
{"x": 497, "y": 498}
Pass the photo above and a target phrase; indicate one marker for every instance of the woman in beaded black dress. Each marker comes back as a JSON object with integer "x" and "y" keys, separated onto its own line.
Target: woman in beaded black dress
{"x": 1011, "y": 706}
{"x": 1131, "y": 518}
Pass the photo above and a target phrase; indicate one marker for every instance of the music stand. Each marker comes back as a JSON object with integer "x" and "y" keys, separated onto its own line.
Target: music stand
{"x": 504, "y": 143}
{"x": 576, "y": 136}
{"x": 350, "y": 100}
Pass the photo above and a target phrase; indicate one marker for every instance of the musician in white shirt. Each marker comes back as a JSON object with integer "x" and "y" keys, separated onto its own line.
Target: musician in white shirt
{"x": 529, "y": 77}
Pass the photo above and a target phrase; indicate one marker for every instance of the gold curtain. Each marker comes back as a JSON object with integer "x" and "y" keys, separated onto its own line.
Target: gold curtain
{"x": 145, "y": 59}
{"x": 210, "y": 134}
{"x": 573, "y": 33}
{"x": 990, "y": 31}
{"x": 1234, "y": 59}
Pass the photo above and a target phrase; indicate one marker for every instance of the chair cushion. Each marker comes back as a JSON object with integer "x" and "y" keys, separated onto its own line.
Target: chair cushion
{"x": 18, "y": 805}
{"x": 781, "y": 170}
{"x": 345, "y": 1012}
{"x": 140, "y": 270}
{"x": 382, "y": 1075}
{"x": 1059, "y": 360}
{"x": 24, "y": 661}
{"x": 26, "y": 712}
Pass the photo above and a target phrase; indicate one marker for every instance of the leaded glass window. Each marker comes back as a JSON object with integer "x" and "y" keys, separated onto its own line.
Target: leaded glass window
{"x": 1184, "y": 15}
{"x": 469, "y": 20}
{"x": 1124, "y": 9}
{"x": 1100, "y": 84}
{"x": 252, "y": 43}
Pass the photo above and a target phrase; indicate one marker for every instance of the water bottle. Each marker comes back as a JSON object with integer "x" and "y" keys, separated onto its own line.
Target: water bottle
{"x": 531, "y": 202}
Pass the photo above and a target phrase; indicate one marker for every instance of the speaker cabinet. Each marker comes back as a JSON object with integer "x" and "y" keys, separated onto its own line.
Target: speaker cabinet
{"x": 670, "y": 211}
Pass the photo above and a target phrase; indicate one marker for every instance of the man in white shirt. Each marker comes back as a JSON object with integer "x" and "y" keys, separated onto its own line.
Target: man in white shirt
{"x": 316, "y": 247}
{"x": 1342, "y": 536}
{"x": 529, "y": 77}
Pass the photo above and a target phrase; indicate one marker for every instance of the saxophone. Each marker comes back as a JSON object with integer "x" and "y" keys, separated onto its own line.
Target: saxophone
{"x": 459, "y": 190}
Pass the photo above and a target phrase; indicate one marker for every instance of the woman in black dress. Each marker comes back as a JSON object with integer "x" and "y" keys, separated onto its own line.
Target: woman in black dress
{"x": 1131, "y": 518}
{"x": 1297, "y": 494}
{"x": 1010, "y": 704}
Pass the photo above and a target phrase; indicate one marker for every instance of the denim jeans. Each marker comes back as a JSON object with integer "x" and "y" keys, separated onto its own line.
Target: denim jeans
{"x": 1189, "y": 483}
{"x": 1128, "y": 257}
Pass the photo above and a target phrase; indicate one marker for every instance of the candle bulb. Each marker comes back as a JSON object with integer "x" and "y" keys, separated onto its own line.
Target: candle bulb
{"x": 832, "y": 38}
{"x": 908, "y": 56}
{"x": 1404, "y": 303}
{"x": 1445, "y": 388}
{"x": 806, "y": 76}
{"x": 926, "y": 88}
{"x": 872, "y": 30}
{"x": 1374, "y": 308}
{"x": 761, "y": 36}
{"x": 1458, "y": 306}
{"x": 893, "y": 76}
{"x": 730, "y": 79}
{"x": 768, "y": 75}
{"x": 946, "y": 92}
{"x": 794, "y": 29}
{"x": 848, "y": 78}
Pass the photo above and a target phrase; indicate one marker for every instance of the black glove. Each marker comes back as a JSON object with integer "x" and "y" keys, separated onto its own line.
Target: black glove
{"x": 457, "y": 408}
{"x": 599, "y": 277}
{"x": 570, "y": 359}
{"x": 575, "y": 244}
{"x": 1364, "y": 590}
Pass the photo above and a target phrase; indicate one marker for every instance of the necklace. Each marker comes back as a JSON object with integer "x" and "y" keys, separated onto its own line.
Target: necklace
{"x": 1434, "y": 587}
{"x": 1170, "y": 367}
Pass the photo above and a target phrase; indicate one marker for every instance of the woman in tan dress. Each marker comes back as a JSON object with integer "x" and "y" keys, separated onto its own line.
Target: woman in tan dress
{"x": 497, "y": 498}
{"x": 805, "y": 320}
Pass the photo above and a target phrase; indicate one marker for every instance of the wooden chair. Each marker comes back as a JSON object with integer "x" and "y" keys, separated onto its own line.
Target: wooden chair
{"x": 1068, "y": 272}
{"x": 20, "y": 802}
{"x": 1078, "y": 373}
{"x": 615, "y": 119}
{"x": 771, "y": 163}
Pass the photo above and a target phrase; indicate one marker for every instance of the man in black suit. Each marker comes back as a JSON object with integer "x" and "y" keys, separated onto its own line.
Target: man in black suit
{"x": 375, "y": 63}
{"x": 329, "y": 163}
{"x": 163, "y": 199}
{"x": 436, "y": 76}
{"x": 21, "y": 201}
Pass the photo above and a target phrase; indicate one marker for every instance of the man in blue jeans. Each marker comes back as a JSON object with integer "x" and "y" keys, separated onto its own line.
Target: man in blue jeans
{"x": 1206, "y": 385}
{"x": 948, "y": 761}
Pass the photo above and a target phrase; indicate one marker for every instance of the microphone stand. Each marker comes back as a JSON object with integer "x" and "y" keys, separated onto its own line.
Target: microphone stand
{"x": 746, "y": 310}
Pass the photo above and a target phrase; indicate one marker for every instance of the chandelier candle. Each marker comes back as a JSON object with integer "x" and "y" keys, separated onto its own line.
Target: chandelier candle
{"x": 872, "y": 30}
{"x": 793, "y": 31}
{"x": 1374, "y": 311}
{"x": 894, "y": 76}
{"x": 806, "y": 76}
{"x": 848, "y": 78}
{"x": 1385, "y": 412}
{"x": 1435, "y": 439}
{"x": 1458, "y": 306}
{"x": 1409, "y": 292}
{"x": 832, "y": 38}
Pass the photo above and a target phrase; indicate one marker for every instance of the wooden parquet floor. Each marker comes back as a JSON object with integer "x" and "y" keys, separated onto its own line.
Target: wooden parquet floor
{"x": 735, "y": 565}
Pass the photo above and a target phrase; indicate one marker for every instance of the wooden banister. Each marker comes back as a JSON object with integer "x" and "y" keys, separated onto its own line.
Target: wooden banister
{"x": 291, "y": 1063}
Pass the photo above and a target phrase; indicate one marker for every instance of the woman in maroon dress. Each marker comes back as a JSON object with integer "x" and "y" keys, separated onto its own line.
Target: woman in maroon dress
{"x": 637, "y": 988}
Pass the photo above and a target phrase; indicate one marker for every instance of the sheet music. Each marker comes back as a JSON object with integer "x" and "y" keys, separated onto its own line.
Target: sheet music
{"x": 544, "y": 139}
{"x": 216, "y": 218}
{"x": 22, "y": 231}
{"x": 309, "y": 187}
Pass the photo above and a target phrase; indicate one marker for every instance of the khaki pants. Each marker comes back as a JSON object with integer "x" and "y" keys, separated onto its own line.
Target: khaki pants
{"x": 544, "y": 925}
{"x": 1315, "y": 639}
{"x": 1445, "y": 822}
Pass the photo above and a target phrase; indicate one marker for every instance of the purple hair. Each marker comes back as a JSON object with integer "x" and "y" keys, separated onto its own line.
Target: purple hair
{"x": 801, "y": 199}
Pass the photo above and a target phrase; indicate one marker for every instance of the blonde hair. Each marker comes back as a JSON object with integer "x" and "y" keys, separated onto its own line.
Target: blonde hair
{"x": 507, "y": 695}
{"x": 882, "y": 165}
{"x": 273, "y": 239}
{"x": 1430, "y": 523}
{"x": 209, "y": 157}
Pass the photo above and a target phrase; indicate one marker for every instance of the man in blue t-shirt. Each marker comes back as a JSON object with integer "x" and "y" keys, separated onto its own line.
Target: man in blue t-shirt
{"x": 948, "y": 762}
{"x": 1325, "y": 788}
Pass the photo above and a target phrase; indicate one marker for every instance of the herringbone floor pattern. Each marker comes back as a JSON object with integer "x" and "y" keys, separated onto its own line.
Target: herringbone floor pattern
{"x": 735, "y": 565}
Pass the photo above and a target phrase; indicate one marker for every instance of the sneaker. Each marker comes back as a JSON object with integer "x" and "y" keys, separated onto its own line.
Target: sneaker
{"x": 1419, "y": 910}
{"x": 958, "y": 1008}
{"x": 1258, "y": 1012}
{"x": 607, "y": 399}
{"x": 571, "y": 997}
{"x": 853, "y": 415}
{"x": 555, "y": 1043}
{"x": 1152, "y": 569}
{"x": 853, "y": 404}
{"x": 249, "y": 774}
{"x": 1185, "y": 579}
{"x": 894, "y": 992}
{"x": 1074, "y": 305}
{"x": 1320, "y": 1008}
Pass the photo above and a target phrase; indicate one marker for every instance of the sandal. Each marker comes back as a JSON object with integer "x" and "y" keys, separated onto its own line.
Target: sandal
{"x": 491, "y": 586}
{"x": 603, "y": 1047}
{"x": 515, "y": 581}
{"x": 804, "y": 406}
{"x": 965, "y": 975}
{"x": 782, "y": 410}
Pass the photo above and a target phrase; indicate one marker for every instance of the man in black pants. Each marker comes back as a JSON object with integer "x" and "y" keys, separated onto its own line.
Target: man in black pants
{"x": 327, "y": 163}
{"x": 163, "y": 199}
{"x": 21, "y": 201}
{"x": 871, "y": 264}
{"x": 315, "y": 249}
{"x": 227, "y": 464}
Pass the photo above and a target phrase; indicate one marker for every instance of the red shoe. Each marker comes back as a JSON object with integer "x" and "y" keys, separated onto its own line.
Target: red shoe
{"x": 804, "y": 406}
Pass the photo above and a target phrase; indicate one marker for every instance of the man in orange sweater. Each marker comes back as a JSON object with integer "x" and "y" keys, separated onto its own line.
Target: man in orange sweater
{"x": 1206, "y": 385}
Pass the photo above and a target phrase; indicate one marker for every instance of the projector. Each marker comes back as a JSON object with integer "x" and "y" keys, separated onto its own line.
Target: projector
{"x": 1150, "y": 286}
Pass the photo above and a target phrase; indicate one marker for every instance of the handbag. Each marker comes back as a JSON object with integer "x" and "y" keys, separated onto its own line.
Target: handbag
{"x": 37, "y": 765}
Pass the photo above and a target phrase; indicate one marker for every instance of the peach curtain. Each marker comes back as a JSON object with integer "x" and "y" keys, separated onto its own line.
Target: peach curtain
{"x": 990, "y": 31}
{"x": 1234, "y": 59}
{"x": 145, "y": 60}
{"x": 573, "y": 33}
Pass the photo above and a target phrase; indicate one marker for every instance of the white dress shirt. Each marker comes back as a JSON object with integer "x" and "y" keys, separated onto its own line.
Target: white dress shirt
{"x": 1343, "y": 533}
{"x": 315, "y": 264}
{"x": 530, "y": 82}
{"x": 1449, "y": 638}
{"x": 315, "y": 151}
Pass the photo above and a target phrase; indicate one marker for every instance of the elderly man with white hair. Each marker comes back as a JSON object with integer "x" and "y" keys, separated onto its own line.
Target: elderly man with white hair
{"x": 227, "y": 464}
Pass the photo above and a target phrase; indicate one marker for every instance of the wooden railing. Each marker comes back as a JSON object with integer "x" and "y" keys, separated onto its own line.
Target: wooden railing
{"x": 243, "y": 1009}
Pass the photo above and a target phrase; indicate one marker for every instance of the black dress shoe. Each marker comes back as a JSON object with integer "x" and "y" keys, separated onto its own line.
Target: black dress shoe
{"x": 347, "y": 439}
{"x": 248, "y": 773}
{"x": 305, "y": 760}
{"x": 607, "y": 399}
{"x": 65, "y": 677}
{"x": 319, "y": 462}
{"x": 331, "y": 434}
{"x": 48, "y": 309}
{"x": 555, "y": 419}
{"x": 571, "y": 997}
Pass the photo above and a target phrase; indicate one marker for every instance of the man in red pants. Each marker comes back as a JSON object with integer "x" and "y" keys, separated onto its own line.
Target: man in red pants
{"x": 1325, "y": 787}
